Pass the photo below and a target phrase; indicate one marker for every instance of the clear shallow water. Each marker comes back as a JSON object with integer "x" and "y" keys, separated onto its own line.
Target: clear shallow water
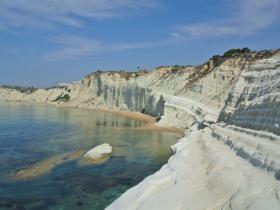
{"x": 35, "y": 134}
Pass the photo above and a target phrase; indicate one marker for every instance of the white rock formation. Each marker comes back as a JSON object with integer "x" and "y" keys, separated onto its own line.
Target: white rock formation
{"x": 203, "y": 174}
{"x": 230, "y": 108}
{"x": 99, "y": 152}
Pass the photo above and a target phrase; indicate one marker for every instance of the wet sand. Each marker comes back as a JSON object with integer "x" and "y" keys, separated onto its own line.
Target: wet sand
{"x": 150, "y": 122}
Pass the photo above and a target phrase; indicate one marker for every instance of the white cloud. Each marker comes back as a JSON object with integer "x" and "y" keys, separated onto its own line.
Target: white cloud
{"x": 45, "y": 13}
{"x": 75, "y": 47}
{"x": 247, "y": 17}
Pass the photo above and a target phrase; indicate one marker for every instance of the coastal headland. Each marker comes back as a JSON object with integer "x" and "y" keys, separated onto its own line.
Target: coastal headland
{"x": 228, "y": 110}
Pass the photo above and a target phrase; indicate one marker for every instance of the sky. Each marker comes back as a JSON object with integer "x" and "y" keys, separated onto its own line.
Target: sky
{"x": 46, "y": 42}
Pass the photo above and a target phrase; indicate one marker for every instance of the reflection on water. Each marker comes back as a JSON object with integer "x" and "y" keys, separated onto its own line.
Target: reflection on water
{"x": 44, "y": 143}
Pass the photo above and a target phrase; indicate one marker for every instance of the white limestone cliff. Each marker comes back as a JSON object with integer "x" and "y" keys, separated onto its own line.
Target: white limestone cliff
{"x": 204, "y": 173}
{"x": 229, "y": 106}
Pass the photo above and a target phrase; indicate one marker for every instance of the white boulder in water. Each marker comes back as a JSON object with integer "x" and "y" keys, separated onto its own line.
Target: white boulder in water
{"x": 99, "y": 152}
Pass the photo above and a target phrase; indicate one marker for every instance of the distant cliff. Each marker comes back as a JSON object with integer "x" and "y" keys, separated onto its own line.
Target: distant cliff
{"x": 151, "y": 92}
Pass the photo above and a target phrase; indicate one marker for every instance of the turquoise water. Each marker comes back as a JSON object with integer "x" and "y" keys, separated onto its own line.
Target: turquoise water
{"x": 37, "y": 137}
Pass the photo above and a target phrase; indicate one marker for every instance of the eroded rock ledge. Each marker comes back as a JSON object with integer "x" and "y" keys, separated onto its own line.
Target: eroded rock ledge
{"x": 229, "y": 106}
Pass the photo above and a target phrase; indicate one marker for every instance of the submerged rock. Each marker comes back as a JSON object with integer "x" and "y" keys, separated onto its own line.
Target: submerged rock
{"x": 100, "y": 152}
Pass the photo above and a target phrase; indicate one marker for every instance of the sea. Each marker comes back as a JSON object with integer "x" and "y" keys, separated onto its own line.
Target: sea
{"x": 42, "y": 166}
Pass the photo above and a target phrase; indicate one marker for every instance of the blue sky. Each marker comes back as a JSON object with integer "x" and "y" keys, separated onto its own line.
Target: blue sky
{"x": 45, "y": 42}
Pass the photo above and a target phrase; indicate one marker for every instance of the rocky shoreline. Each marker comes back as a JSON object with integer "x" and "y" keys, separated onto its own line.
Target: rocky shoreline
{"x": 229, "y": 109}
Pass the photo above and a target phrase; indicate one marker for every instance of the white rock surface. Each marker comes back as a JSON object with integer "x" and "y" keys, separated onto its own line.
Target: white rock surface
{"x": 99, "y": 152}
{"x": 204, "y": 174}
{"x": 254, "y": 100}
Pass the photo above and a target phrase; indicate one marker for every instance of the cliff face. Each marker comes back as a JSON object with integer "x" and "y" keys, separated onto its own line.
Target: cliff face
{"x": 254, "y": 100}
{"x": 229, "y": 158}
{"x": 230, "y": 109}
{"x": 199, "y": 90}
{"x": 115, "y": 90}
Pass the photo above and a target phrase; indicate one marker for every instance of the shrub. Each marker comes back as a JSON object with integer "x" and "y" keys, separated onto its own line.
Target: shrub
{"x": 21, "y": 89}
{"x": 231, "y": 52}
{"x": 245, "y": 50}
{"x": 177, "y": 68}
{"x": 63, "y": 98}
